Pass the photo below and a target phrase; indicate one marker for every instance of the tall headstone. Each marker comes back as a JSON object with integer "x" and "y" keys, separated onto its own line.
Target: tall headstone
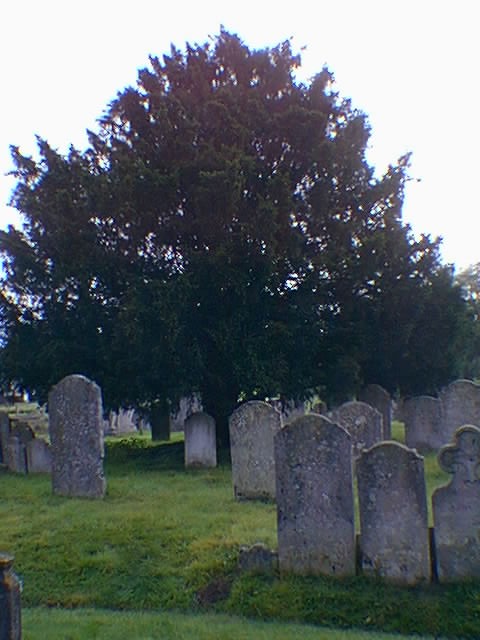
{"x": 456, "y": 509}
{"x": 422, "y": 416}
{"x": 461, "y": 405}
{"x": 200, "y": 441}
{"x": 76, "y": 435}
{"x": 315, "y": 507}
{"x": 379, "y": 398}
{"x": 10, "y": 604}
{"x": 363, "y": 423}
{"x": 4, "y": 435}
{"x": 394, "y": 541}
{"x": 39, "y": 456}
{"x": 253, "y": 426}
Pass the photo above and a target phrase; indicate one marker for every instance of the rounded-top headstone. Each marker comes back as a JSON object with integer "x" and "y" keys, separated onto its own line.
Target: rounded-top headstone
{"x": 76, "y": 436}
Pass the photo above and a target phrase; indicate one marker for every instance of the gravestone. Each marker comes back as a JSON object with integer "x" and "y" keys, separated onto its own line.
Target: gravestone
{"x": 10, "y": 604}
{"x": 461, "y": 405}
{"x": 39, "y": 456}
{"x": 253, "y": 426}
{"x": 378, "y": 398}
{"x": 16, "y": 455}
{"x": 76, "y": 436}
{"x": 422, "y": 416}
{"x": 186, "y": 407}
{"x": 363, "y": 423}
{"x": 394, "y": 539}
{"x": 200, "y": 441}
{"x": 4, "y": 435}
{"x": 315, "y": 508}
{"x": 456, "y": 508}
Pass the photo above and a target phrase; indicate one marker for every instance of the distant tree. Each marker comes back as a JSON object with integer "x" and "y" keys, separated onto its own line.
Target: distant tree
{"x": 223, "y": 233}
{"x": 469, "y": 281}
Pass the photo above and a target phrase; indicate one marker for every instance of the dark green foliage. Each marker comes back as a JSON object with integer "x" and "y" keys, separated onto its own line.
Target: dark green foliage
{"x": 223, "y": 233}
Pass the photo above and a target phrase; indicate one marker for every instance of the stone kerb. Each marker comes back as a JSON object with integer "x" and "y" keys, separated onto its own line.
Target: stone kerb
{"x": 10, "y": 603}
{"x": 315, "y": 507}
{"x": 76, "y": 435}
{"x": 363, "y": 423}
{"x": 379, "y": 398}
{"x": 253, "y": 426}
{"x": 423, "y": 420}
{"x": 456, "y": 508}
{"x": 394, "y": 540}
{"x": 461, "y": 405}
{"x": 200, "y": 441}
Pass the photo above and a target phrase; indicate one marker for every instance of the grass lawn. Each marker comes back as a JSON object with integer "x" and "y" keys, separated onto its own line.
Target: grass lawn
{"x": 165, "y": 539}
{"x": 88, "y": 624}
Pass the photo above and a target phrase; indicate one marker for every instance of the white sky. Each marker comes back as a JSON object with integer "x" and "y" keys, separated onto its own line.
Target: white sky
{"x": 410, "y": 65}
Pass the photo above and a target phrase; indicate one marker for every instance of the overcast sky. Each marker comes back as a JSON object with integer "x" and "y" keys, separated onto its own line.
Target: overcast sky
{"x": 411, "y": 66}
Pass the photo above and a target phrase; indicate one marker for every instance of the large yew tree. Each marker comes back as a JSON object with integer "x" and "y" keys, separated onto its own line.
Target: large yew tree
{"x": 223, "y": 233}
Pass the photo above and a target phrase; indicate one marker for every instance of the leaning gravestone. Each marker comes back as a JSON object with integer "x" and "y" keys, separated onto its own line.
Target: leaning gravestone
{"x": 378, "y": 398}
{"x": 461, "y": 405}
{"x": 363, "y": 423}
{"x": 200, "y": 441}
{"x": 76, "y": 435}
{"x": 253, "y": 426}
{"x": 394, "y": 541}
{"x": 39, "y": 456}
{"x": 456, "y": 509}
{"x": 422, "y": 416}
{"x": 10, "y": 605}
{"x": 315, "y": 508}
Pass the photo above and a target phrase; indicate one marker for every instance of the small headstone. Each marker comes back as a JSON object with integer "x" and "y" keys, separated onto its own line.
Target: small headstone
{"x": 4, "y": 435}
{"x": 394, "y": 543}
{"x": 200, "y": 441}
{"x": 461, "y": 405}
{"x": 422, "y": 416}
{"x": 16, "y": 455}
{"x": 315, "y": 508}
{"x": 257, "y": 559}
{"x": 379, "y": 398}
{"x": 39, "y": 456}
{"x": 10, "y": 604}
{"x": 253, "y": 426}
{"x": 456, "y": 509}
{"x": 363, "y": 423}
{"x": 76, "y": 435}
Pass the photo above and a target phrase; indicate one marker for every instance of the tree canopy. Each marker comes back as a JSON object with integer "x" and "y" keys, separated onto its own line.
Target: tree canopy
{"x": 222, "y": 233}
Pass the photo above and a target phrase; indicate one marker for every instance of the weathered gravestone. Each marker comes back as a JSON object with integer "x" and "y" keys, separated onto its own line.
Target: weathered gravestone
{"x": 253, "y": 426}
{"x": 456, "y": 509}
{"x": 39, "y": 456}
{"x": 4, "y": 435}
{"x": 378, "y": 398}
{"x": 200, "y": 441}
{"x": 76, "y": 435}
{"x": 394, "y": 540}
{"x": 422, "y": 416}
{"x": 363, "y": 423}
{"x": 10, "y": 605}
{"x": 460, "y": 405}
{"x": 16, "y": 455}
{"x": 315, "y": 508}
